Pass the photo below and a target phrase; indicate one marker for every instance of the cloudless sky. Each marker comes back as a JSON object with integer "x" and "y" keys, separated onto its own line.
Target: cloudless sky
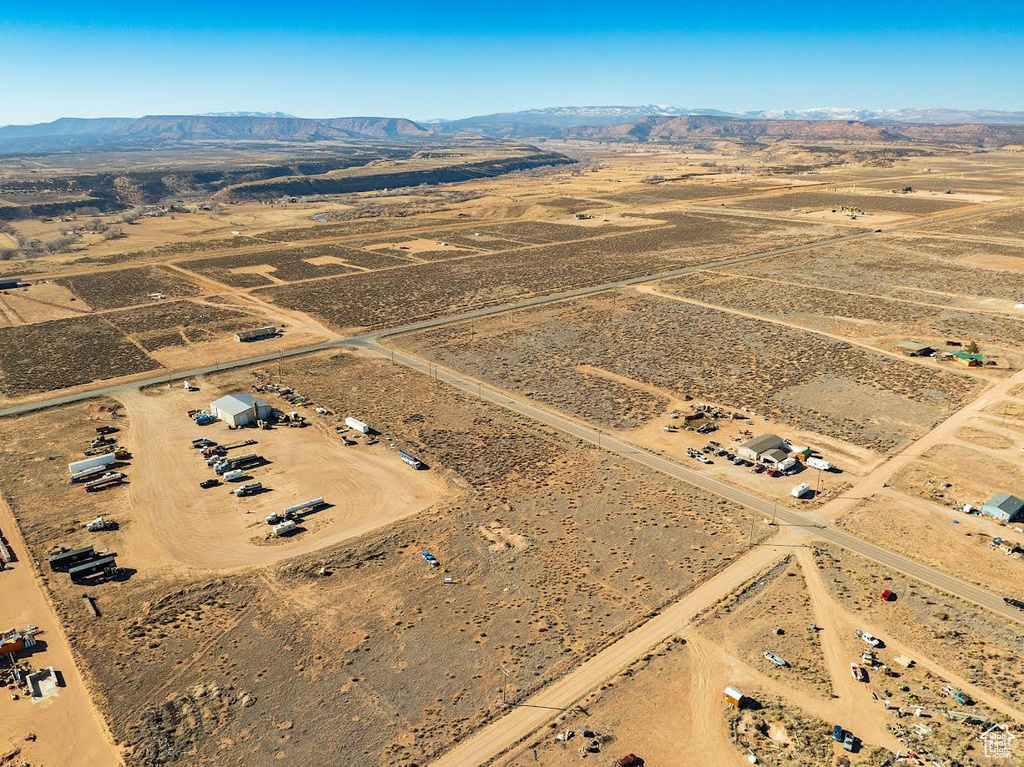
{"x": 433, "y": 59}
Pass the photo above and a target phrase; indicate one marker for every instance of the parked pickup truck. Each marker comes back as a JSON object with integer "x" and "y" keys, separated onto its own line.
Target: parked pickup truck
{"x": 869, "y": 638}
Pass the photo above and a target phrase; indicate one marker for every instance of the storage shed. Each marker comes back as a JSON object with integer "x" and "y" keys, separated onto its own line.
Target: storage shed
{"x": 1005, "y": 508}
{"x": 733, "y": 697}
{"x": 7, "y": 283}
{"x": 754, "y": 449}
{"x": 913, "y": 349}
{"x": 240, "y": 409}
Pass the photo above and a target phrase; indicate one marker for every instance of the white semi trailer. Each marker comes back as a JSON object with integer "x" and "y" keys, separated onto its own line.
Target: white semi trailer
{"x": 87, "y": 463}
{"x": 355, "y": 423}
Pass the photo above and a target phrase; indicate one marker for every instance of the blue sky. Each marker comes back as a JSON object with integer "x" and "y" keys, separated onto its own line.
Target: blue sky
{"x": 426, "y": 60}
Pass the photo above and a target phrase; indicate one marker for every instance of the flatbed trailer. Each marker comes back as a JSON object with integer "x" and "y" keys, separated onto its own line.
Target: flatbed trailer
{"x": 64, "y": 559}
{"x": 93, "y": 566}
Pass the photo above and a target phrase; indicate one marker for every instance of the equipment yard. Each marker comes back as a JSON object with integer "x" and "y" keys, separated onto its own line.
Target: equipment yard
{"x": 627, "y": 456}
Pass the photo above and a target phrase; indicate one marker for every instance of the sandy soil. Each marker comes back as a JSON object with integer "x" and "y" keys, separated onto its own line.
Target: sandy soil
{"x": 366, "y": 487}
{"x": 67, "y": 726}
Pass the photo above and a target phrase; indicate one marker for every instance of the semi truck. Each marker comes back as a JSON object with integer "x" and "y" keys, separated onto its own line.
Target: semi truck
{"x": 248, "y": 488}
{"x": 230, "y": 464}
{"x": 87, "y": 463}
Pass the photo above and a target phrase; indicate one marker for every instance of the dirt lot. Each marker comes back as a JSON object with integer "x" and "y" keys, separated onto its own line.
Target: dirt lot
{"x": 238, "y": 667}
{"x": 428, "y": 290}
{"x": 952, "y": 475}
{"x": 39, "y": 302}
{"x": 669, "y": 709}
{"x": 806, "y": 381}
{"x": 247, "y": 270}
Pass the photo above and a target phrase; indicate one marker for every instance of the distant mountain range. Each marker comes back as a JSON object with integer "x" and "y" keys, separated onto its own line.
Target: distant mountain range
{"x": 605, "y": 123}
{"x": 75, "y": 133}
{"x": 554, "y": 120}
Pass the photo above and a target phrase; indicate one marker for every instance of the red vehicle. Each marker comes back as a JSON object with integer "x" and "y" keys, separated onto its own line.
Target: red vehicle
{"x": 888, "y": 596}
{"x": 630, "y": 760}
{"x": 773, "y": 473}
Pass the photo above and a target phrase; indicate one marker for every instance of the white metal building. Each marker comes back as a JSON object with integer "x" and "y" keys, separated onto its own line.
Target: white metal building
{"x": 240, "y": 409}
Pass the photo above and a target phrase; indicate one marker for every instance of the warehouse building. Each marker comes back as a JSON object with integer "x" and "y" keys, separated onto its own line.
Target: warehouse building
{"x": 240, "y": 409}
{"x": 759, "y": 448}
{"x": 1005, "y": 508}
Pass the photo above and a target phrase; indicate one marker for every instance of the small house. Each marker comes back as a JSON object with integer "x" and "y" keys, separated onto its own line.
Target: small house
{"x": 1005, "y": 508}
{"x": 968, "y": 360}
{"x": 733, "y": 697}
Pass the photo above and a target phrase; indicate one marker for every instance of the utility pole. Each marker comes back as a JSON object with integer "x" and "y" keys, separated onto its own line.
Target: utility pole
{"x": 504, "y": 683}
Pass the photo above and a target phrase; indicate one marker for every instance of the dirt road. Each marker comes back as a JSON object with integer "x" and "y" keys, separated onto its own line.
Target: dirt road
{"x": 546, "y": 704}
{"x": 69, "y": 728}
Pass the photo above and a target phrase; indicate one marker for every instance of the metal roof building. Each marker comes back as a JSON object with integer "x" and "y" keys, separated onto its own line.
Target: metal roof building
{"x": 240, "y": 409}
{"x": 757, "y": 447}
{"x": 1007, "y": 508}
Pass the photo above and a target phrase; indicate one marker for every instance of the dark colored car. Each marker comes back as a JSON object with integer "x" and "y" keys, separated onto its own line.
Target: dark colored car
{"x": 208, "y": 483}
{"x": 837, "y": 733}
{"x": 1014, "y": 603}
{"x": 630, "y": 760}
